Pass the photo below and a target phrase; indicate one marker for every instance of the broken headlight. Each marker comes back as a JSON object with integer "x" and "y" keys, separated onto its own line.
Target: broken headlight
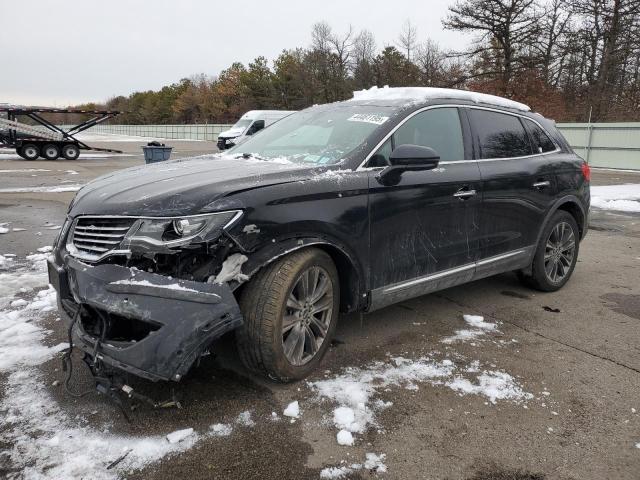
{"x": 177, "y": 231}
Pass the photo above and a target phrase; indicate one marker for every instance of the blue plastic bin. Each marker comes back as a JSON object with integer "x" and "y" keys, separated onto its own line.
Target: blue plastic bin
{"x": 153, "y": 154}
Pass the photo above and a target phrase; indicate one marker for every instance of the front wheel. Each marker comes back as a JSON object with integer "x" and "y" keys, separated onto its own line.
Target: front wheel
{"x": 290, "y": 313}
{"x": 556, "y": 254}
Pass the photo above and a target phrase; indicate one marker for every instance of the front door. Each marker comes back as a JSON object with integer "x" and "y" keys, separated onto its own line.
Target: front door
{"x": 424, "y": 228}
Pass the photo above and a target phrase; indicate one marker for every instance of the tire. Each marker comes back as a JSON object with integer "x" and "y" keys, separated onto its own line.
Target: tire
{"x": 556, "y": 254}
{"x": 30, "y": 151}
{"x": 50, "y": 151}
{"x": 70, "y": 151}
{"x": 19, "y": 152}
{"x": 269, "y": 346}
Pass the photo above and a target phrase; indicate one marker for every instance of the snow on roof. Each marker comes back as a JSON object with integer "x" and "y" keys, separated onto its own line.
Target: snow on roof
{"x": 418, "y": 94}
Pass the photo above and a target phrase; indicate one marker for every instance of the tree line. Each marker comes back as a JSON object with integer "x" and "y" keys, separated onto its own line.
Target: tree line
{"x": 570, "y": 60}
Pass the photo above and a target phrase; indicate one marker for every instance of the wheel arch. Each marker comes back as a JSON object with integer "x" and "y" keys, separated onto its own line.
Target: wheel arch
{"x": 572, "y": 205}
{"x": 350, "y": 272}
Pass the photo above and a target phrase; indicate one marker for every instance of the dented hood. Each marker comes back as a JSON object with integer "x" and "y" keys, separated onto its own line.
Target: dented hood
{"x": 179, "y": 187}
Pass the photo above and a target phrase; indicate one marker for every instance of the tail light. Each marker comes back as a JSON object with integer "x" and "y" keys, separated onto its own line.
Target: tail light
{"x": 586, "y": 171}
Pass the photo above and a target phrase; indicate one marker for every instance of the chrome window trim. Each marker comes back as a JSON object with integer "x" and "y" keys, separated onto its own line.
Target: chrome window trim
{"x": 435, "y": 276}
{"x": 361, "y": 167}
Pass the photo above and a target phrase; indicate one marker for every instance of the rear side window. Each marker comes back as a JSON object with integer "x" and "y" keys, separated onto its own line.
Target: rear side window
{"x": 541, "y": 141}
{"x": 499, "y": 135}
{"x": 438, "y": 128}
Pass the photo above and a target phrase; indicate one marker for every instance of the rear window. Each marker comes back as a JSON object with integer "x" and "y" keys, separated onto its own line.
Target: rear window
{"x": 541, "y": 141}
{"x": 499, "y": 135}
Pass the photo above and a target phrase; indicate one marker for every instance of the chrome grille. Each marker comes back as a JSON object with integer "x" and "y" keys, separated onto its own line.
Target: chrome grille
{"x": 94, "y": 237}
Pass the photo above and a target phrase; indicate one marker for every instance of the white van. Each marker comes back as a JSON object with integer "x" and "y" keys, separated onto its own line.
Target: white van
{"x": 250, "y": 123}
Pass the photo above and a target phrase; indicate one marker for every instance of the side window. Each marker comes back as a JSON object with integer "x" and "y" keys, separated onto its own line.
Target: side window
{"x": 255, "y": 127}
{"x": 541, "y": 141}
{"x": 381, "y": 157}
{"x": 499, "y": 135}
{"x": 438, "y": 128}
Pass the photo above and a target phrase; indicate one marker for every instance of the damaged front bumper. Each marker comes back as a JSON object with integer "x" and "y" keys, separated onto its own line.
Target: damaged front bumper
{"x": 146, "y": 324}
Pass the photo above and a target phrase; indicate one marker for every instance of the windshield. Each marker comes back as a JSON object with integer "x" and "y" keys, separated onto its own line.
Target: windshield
{"x": 317, "y": 135}
{"x": 242, "y": 124}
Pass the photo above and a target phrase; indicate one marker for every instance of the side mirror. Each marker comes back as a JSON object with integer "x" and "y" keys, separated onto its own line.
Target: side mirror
{"x": 409, "y": 157}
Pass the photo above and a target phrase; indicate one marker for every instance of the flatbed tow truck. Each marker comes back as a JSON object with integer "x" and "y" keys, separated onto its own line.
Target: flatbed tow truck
{"x": 45, "y": 139}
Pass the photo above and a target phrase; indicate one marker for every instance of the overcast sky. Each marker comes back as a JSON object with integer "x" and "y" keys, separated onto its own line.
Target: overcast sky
{"x": 57, "y": 53}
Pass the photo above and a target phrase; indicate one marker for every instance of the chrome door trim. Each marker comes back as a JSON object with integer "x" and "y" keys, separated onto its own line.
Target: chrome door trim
{"x": 452, "y": 271}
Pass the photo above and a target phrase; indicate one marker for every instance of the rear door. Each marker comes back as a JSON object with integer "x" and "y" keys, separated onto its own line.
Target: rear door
{"x": 424, "y": 227}
{"x": 518, "y": 185}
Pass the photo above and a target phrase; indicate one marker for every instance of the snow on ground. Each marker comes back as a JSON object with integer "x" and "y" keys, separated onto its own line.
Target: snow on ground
{"x": 292, "y": 410}
{"x": 479, "y": 328}
{"x": 45, "y": 442}
{"x": 45, "y": 189}
{"x": 623, "y": 198}
{"x": 373, "y": 463}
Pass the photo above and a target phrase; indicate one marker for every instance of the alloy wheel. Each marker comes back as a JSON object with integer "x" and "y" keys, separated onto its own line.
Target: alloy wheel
{"x": 559, "y": 252}
{"x": 307, "y": 316}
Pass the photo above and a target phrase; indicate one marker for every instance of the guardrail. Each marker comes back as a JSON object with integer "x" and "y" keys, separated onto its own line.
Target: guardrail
{"x": 608, "y": 145}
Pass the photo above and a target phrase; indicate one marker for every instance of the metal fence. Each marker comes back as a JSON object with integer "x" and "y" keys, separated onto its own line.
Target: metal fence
{"x": 207, "y": 132}
{"x": 608, "y": 145}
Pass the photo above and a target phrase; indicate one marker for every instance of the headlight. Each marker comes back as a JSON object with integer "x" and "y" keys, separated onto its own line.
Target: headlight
{"x": 177, "y": 231}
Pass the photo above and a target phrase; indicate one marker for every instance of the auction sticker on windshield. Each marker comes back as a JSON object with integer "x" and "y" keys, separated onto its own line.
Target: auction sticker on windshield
{"x": 368, "y": 118}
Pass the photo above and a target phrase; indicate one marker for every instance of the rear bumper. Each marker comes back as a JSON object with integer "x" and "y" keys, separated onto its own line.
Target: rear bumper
{"x": 154, "y": 327}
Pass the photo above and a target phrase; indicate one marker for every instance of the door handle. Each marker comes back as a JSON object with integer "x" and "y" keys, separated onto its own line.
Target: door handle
{"x": 543, "y": 184}
{"x": 465, "y": 194}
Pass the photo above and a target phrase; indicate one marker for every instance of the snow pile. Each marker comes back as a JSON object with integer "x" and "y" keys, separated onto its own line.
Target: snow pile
{"x": 221, "y": 430}
{"x": 373, "y": 463}
{"x": 244, "y": 419}
{"x": 292, "y": 410}
{"x": 479, "y": 328}
{"x": 623, "y": 198}
{"x": 493, "y": 385}
{"x": 4, "y": 228}
{"x": 179, "y": 435}
{"x": 344, "y": 437}
{"x": 423, "y": 94}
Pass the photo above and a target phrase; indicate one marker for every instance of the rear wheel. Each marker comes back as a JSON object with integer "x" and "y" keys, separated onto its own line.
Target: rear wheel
{"x": 30, "y": 151}
{"x": 290, "y": 310}
{"x": 556, "y": 254}
{"x": 51, "y": 151}
{"x": 70, "y": 151}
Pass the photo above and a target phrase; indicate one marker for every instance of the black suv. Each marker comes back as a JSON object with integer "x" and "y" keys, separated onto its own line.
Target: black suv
{"x": 344, "y": 207}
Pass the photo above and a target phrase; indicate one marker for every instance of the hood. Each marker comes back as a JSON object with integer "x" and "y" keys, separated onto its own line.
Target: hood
{"x": 231, "y": 133}
{"x": 180, "y": 187}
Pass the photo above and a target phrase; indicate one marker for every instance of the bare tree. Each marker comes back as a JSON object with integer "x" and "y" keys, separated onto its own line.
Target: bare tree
{"x": 408, "y": 38}
{"x": 431, "y": 61}
{"x": 504, "y": 28}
